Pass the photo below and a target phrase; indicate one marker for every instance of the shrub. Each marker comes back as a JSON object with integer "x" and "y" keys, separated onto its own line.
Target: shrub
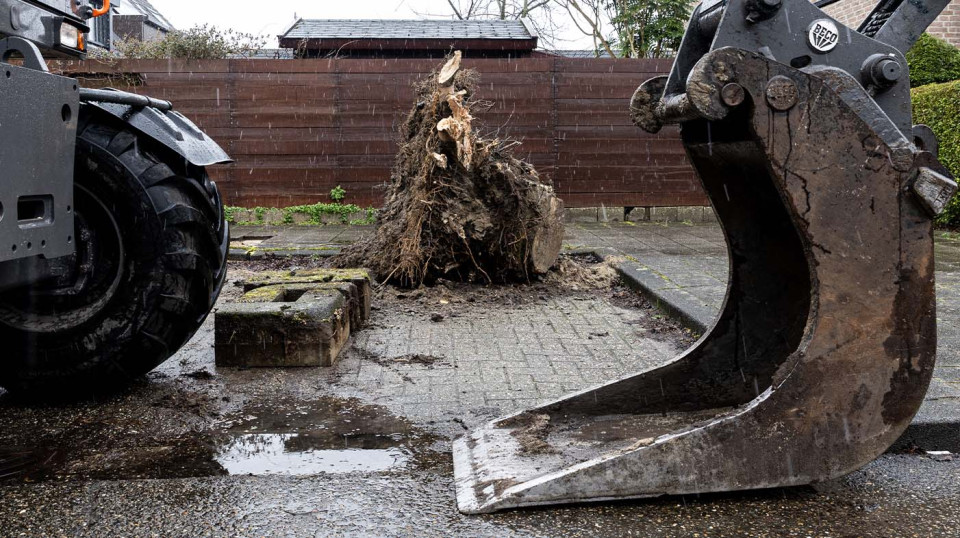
{"x": 337, "y": 194}
{"x": 198, "y": 43}
{"x": 938, "y": 105}
{"x": 933, "y": 60}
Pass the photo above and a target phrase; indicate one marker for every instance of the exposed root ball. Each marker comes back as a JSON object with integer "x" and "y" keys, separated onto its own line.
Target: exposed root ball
{"x": 459, "y": 206}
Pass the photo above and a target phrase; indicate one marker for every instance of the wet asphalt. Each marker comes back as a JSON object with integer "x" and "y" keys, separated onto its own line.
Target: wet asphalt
{"x": 898, "y": 495}
{"x": 193, "y": 451}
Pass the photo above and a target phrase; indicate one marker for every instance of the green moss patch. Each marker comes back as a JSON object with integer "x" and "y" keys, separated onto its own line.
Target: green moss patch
{"x": 306, "y": 276}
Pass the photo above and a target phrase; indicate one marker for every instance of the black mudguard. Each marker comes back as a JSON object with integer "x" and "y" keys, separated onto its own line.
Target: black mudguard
{"x": 169, "y": 128}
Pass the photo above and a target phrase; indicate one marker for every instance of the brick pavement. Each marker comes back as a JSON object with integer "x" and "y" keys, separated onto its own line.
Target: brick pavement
{"x": 493, "y": 361}
{"x": 682, "y": 266}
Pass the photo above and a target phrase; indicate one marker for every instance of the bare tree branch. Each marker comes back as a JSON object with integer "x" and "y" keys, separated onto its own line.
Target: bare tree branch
{"x": 594, "y": 23}
{"x": 455, "y": 10}
{"x": 548, "y": 17}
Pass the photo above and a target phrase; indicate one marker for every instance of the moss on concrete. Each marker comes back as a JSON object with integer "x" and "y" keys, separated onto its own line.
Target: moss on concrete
{"x": 265, "y": 294}
{"x": 307, "y": 276}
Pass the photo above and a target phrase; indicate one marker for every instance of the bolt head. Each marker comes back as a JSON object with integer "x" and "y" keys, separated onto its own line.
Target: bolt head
{"x": 887, "y": 71}
{"x": 732, "y": 94}
{"x": 782, "y": 93}
{"x": 881, "y": 71}
{"x": 759, "y": 10}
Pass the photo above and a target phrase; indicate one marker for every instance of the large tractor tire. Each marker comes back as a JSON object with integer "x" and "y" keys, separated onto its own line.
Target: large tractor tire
{"x": 150, "y": 262}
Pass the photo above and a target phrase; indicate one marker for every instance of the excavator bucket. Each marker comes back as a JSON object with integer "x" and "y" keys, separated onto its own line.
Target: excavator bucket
{"x": 800, "y": 130}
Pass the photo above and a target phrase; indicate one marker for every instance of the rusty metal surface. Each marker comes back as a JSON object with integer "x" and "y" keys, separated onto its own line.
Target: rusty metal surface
{"x": 826, "y": 342}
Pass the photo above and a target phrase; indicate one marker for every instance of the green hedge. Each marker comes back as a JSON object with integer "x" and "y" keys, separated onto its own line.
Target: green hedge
{"x": 938, "y": 105}
{"x": 933, "y": 60}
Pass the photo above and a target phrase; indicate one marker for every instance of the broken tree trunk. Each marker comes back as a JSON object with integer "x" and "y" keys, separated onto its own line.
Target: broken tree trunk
{"x": 459, "y": 206}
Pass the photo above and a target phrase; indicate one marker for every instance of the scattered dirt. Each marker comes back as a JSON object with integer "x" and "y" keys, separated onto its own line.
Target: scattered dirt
{"x": 658, "y": 325}
{"x": 202, "y": 375}
{"x": 418, "y": 358}
{"x": 583, "y": 273}
{"x": 585, "y": 277}
{"x": 177, "y": 422}
{"x": 396, "y": 363}
{"x": 178, "y": 435}
{"x": 276, "y": 263}
{"x": 531, "y": 431}
{"x": 332, "y": 423}
{"x": 151, "y": 432}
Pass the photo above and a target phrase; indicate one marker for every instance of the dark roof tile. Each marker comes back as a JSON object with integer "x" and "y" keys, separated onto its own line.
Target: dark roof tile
{"x": 153, "y": 15}
{"x": 406, "y": 29}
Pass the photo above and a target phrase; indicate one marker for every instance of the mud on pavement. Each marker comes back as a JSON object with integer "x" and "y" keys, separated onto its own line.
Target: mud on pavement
{"x": 188, "y": 419}
{"x": 363, "y": 448}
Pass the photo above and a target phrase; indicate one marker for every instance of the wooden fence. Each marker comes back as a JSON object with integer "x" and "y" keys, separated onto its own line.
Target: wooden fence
{"x": 298, "y": 128}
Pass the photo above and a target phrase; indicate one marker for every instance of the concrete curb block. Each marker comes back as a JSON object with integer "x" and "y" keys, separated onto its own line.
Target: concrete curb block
{"x": 638, "y": 277}
{"x": 269, "y": 334}
{"x": 292, "y": 318}
{"x": 673, "y": 301}
{"x": 936, "y": 427}
{"x": 239, "y": 254}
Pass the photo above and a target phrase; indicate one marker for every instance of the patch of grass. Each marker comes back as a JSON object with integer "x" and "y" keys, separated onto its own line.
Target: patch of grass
{"x": 947, "y": 234}
{"x": 304, "y": 215}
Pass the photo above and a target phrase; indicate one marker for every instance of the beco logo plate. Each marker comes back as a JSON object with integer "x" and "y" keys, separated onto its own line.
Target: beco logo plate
{"x": 823, "y": 35}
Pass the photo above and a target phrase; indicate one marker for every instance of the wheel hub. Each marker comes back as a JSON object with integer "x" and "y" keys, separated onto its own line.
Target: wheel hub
{"x": 79, "y": 286}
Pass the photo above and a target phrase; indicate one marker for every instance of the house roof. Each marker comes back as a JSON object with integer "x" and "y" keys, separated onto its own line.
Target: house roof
{"x": 412, "y": 34}
{"x": 578, "y": 53}
{"x": 143, "y": 7}
{"x": 265, "y": 54}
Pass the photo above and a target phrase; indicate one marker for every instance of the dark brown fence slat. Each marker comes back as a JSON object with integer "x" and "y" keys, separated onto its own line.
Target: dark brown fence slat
{"x": 298, "y": 128}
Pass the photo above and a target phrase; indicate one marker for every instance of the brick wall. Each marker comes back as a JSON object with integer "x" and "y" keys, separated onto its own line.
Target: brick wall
{"x": 852, "y": 13}
{"x": 947, "y": 26}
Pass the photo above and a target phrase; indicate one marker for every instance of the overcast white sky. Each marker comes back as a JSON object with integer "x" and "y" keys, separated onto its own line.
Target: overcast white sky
{"x": 271, "y": 17}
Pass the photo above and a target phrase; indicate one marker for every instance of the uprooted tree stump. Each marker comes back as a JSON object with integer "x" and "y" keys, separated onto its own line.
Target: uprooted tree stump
{"x": 459, "y": 206}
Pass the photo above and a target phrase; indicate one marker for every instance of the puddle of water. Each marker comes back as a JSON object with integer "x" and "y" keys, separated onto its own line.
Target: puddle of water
{"x": 247, "y": 243}
{"x": 325, "y": 435}
{"x": 287, "y": 437}
{"x": 15, "y": 462}
{"x": 283, "y": 454}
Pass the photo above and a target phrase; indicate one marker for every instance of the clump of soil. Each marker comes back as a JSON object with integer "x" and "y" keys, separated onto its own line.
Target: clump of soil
{"x": 428, "y": 361}
{"x": 459, "y": 206}
{"x": 530, "y": 431}
{"x": 419, "y": 358}
{"x": 444, "y": 298}
{"x": 583, "y": 272}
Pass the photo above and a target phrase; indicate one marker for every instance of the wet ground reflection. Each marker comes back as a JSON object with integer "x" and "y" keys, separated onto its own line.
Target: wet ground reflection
{"x": 296, "y": 454}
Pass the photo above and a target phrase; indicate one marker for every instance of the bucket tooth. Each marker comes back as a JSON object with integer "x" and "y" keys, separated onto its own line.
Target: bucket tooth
{"x": 825, "y": 343}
